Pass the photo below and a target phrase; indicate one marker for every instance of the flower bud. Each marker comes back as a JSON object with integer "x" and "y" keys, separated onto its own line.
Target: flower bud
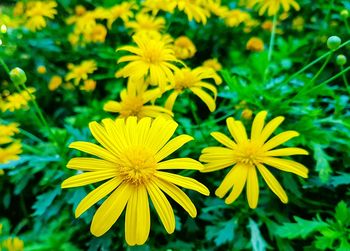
{"x": 333, "y": 42}
{"x": 17, "y": 75}
{"x": 341, "y": 59}
{"x": 344, "y": 13}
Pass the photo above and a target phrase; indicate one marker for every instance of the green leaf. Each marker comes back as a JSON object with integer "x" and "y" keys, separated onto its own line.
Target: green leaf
{"x": 342, "y": 213}
{"x": 302, "y": 228}
{"x": 257, "y": 241}
{"x": 221, "y": 233}
{"x": 44, "y": 201}
{"x": 322, "y": 162}
{"x": 342, "y": 179}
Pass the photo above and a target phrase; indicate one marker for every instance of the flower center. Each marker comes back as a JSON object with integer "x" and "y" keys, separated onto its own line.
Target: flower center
{"x": 131, "y": 106}
{"x": 184, "y": 80}
{"x": 138, "y": 165}
{"x": 249, "y": 154}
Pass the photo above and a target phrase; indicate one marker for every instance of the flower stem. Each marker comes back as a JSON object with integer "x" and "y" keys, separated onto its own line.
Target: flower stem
{"x": 272, "y": 38}
{"x": 345, "y": 79}
{"x": 322, "y": 67}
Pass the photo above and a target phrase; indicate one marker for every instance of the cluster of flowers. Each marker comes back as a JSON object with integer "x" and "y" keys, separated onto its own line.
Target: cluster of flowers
{"x": 15, "y": 101}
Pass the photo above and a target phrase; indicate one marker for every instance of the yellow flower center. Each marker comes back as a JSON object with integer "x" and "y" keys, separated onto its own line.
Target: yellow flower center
{"x": 249, "y": 153}
{"x": 131, "y": 106}
{"x": 153, "y": 54}
{"x": 184, "y": 80}
{"x": 138, "y": 165}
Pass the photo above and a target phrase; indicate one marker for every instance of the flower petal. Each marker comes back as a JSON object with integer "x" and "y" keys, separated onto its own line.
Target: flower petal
{"x": 273, "y": 184}
{"x": 239, "y": 177}
{"x": 237, "y": 130}
{"x": 162, "y": 206}
{"x": 223, "y": 139}
{"x": 258, "y": 125}
{"x": 96, "y": 195}
{"x": 180, "y": 163}
{"x": 88, "y": 178}
{"x": 110, "y": 210}
{"x": 279, "y": 139}
{"x": 90, "y": 164}
{"x": 172, "y": 146}
{"x": 95, "y": 150}
{"x": 286, "y": 152}
{"x": 205, "y": 97}
{"x": 184, "y": 182}
{"x": 287, "y": 166}
{"x": 270, "y": 128}
{"x": 252, "y": 187}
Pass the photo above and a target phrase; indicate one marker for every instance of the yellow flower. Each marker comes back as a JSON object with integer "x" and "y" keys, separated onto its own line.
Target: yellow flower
{"x": 10, "y": 152}
{"x": 267, "y": 25}
{"x": 89, "y": 85}
{"x": 157, "y": 5}
{"x": 215, "y": 7}
{"x": 247, "y": 155}
{"x": 41, "y": 69}
{"x": 235, "y": 17}
{"x": 247, "y": 114}
{"x": 194, "y": 9}
{"x": 79, "y": 72}
{"x": 213, "y": 64}
{"x": 133, "y": 103}
{"x": 13, "y": 244}
{"x": 80, "y": 10}
{"x": 122, "y": 11}
{"x": 17, "y": 101}
{"x": 192, "y": 80}
{"x": 132, "y": 159}
{"x": 37, "y": 11}
{"x": 255, "y": 44}
{"x": 6, "y": 131}
{"x": 184, "y": 48}
{"x": 97, "y": 34}
{"x": 273, "y": 6}
{"x": 55, "y": 82}
{"x": 146, "y": 23}
{"x": 151, "y": 58}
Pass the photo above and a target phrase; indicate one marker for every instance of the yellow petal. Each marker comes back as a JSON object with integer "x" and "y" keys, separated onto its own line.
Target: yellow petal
{"x": 286, "y": 152}
{"x": 205, "y": 97}
{"x": 130, "y": 130}
{"x": 180, "y": 163}
{"x": 100, "y": 134}
{"x": 287, "y": 166}
{"x": 239, "y": 180}
{"x": 217, "y": 165}
{"x": 184, "y": 182}
{"x": 137, "y": 217}
{"x": 94, "y": 150}
{"x": 212, "y": 154}
{"x": 279, "y": 139}
{"x": 143, "y": 128}
{"x": 116, "y": 130}
{"x": 172, "y": 146}
{"x": 90, "y": 164}
{"x": 223, "y": 139}
{"x": 96, "y": 195}
{"x": 232, "y": 178}
{"x": 160, "y": 133}
{"x": 169, "y": 104}
{"x": 252, "y": 187}
{"x": 162, "y": 206}
{"x": 110, "y": 210}
{"x": 270, "y": 128}
{"x": 88, "y": 178}
{"x": 178, "y": 195}
{"x": 273, "y": 184}
{"x": 112, "y": 106}
{"x": 237, "y": 130}
{"x": 258, "y": 125}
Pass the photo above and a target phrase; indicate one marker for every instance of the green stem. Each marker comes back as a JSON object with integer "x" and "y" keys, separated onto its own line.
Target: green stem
{"x": 272, "y": 38}
{"x": 322, "y": 67}
{"x": 345, "y": 79}
{"x": 314, "y": 62}
{"x": 347, "y": 25}
{"x": 31, "y": 136}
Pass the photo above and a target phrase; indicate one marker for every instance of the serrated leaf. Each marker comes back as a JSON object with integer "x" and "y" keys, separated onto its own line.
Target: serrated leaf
{"x": 302, "y": 228}
{"x": 256, "y": 239}
{"x": 342, "y": 213}
{"x": 342, "y": 179}
{"x": 44, "y": 201}
{"x": 221, "y": 233}
{"x": 322, "y": 162}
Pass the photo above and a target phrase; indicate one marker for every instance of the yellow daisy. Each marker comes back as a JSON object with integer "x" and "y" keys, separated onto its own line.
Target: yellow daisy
{"x": 79, "y": 72}
{"x": 146, "y": 23}
{"x": 37, "y": 11}
{"x": 184, "y": 48}
{"x": 151, "y": 57}
{"x": 132, "y": 160}
{"x": 10, "y": 152}
{"x": 212, "y": 63}
{"x": 157, "y": 5}
{"x": 122, "y": 11}
{"x": 273, "y": 6}
{"x": 187, "y": 79}
{"x": 247, "y": 155}
{"x": 18, "y": 101}
{"x": 133, "y": 103}
{"x": 194, "y": 9}
{"x": 255, "y": 44}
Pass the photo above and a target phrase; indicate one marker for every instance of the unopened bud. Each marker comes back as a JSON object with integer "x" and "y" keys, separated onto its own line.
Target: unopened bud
{"x": 344, "y": 14}
{"x": 333, "y": 42}
{"x": 341, "y": 59}
{"x": 17, "y": 75}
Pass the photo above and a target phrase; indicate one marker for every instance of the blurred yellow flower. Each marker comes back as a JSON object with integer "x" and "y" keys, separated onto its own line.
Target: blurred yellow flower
{"x": 10, "y": 152}
{"x": 79, "y": 10}
{"x": 152, "y": 58}
{"x": 213, "y": 64}
{"x": 187, "y": 79}
{"x": 298, "y": 23}
{"x": 155, "y": 6}
{"x": 41, "y": 69}
{"x": 89, "y": 85}
{"x": 98, "y": 33}
{"x": 122, "y": 11}
{"x": 132, "y": 160}
{"x": 235, "y": 17}
{"x": 80, "y": 72}
{"x": 184, "y": 48}
{"x": 247, "y": 114}
{"x": 215, "y": 7}
{"x": 17, "y": 101}
{"x": 55, "y": 82}
{"x": 133, "y": 102}
{"x": 255, "y": 44}
{"x": 267, "y": 25}
{"x": 12, "y": 244}
{"x": 194, "y": 9}
{"x": 146, "y": 23}
{"x": 247, "y": 155}
{"x": 273, "y": 6}
{"x": 36, "y": 11}
{"x": 7, "y": 131}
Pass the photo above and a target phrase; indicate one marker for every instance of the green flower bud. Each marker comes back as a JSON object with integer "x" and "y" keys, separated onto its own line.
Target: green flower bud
{"x": 344, "y": 14}
{"x": 17, "y": 75}
{"x": 333, "y": 42}
{"x": 341, "y": 59}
